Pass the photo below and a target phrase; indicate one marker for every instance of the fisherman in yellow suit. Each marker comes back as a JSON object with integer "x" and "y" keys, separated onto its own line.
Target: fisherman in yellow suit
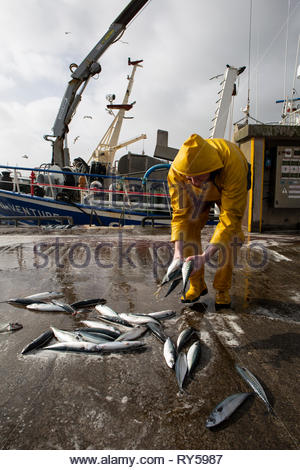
{"x": 205, "y": 172}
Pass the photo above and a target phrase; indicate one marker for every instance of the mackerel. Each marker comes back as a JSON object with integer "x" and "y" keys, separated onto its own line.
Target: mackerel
{"x": 187, "y": 269}
{"x": 29, "y": 299}
{"x": 181, "y": 369}
{"x": 138, "y": 319}
{"x": 254, "y": 384}
{"x": 43, "y": 307}
{"x": 93, "y": 337}
{"x": 105, "y": 310}
{"x": 65, "y": 336}
{"x": 184, "y": 337}
{"x": 115, "y": 319}
{"x": 225, "y": 409}
{"x": 84, "y": 346}
{"x": 10, "y": 327}
{"x": 173, "y": 272}
{"x": 170, "y": 353}
{"x": 101, "y": 325}
{"x": 132, "y": 334}
{"x": 157, "y": 331}
{"x": 193, "y": 356}
{"x": 173, "y": 286}
{"x": 40, "y": 341}
{"x": 87, "y": 303}
{"x": 65, "y": 306}
{"x": 99, "y": 331}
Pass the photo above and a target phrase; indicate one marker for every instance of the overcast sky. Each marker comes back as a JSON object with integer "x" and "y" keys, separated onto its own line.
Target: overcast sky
{"x": 183, "y": 44}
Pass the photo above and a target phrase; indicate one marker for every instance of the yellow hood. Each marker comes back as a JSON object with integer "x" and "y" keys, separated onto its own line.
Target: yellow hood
{"x": 196, "y": 157}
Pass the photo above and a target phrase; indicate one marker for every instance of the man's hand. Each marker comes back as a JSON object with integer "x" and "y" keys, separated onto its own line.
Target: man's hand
{"x": 199, "y": 261}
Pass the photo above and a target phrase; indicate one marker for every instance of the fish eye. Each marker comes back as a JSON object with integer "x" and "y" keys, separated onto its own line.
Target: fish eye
{"x": 220, "y": 409}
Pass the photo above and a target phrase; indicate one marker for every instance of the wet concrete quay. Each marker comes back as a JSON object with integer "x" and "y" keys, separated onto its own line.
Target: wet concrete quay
{"x": 54, "y": 400}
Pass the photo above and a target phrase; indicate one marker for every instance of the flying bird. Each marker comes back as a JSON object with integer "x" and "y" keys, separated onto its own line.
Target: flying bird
{"x": 76, "y": 138}
{"x": 67, "y": 32}
{"x": 87, "y": 117}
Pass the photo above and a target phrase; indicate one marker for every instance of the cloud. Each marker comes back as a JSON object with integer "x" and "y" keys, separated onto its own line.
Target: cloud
{"x": 183, "y": 44}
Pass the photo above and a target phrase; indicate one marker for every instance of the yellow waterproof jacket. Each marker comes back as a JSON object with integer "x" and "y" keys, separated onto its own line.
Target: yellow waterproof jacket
{"x": 229, "y": 189}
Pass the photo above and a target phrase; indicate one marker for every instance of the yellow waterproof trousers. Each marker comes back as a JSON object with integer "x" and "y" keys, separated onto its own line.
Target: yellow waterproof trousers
{"x": 193, "y": 246}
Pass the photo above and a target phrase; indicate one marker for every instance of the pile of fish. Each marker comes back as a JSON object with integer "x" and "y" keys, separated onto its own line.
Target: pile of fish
{"x": 183, "y": 363}
{"x": 98, "y": 336}
{"x": 119, "y": 332}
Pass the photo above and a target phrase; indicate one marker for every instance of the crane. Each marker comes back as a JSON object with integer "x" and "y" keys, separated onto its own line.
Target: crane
{"x": 80, "y": 76}
{"x": 107, "y": 147}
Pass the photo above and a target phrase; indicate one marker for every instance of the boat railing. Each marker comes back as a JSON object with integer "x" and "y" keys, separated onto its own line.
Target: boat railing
{"x": 292, "y": 119}
{"x": 97, "y": 190}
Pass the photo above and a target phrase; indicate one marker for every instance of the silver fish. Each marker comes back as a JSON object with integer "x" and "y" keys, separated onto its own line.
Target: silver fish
{"x": 87, "y": 303}
{"x": 184, "y": 337}
{"x": 65, "y": 336}
{"x": 157, "y": 331}
{"x": 181, "y": 369}
{"x": 173, "y": 286}
{"x": 93, "y": 337}
{"x": 162, "y": 314}
{"x": 115, "y": 319}
{"x": 254, "y": 384}
{"x": 116, "y": 346}
{"x": 193, "y": 355}
{"x": 105, "y": 310}
{"x": 187, "y": 269}
{"x": 100, "y": 331}
{"x": 10, "y": 327}
{"x": 78, "y": 346}
{"x": 132, "y": 334}
{"x": 65, "y": 306}
{"x": 101, "y": 325}
{"x": 138, "y": 319}
{"x": 36, "y": 298}
{"x": 43, "y": 307}
{"x": 40, "y": 341}
{"x": 84, "y": 346}
{"x": 173, "y": 272}
{"x": 170, "y": 353}
{"x": 225, "y": 409}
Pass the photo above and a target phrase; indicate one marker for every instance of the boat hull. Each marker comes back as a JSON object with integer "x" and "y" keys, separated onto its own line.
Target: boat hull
{"x": 18, "y": 205}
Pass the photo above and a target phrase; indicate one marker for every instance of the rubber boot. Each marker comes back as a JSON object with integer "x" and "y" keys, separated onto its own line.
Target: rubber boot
{"x": 223, "y": 299}
{"x": 196, "y": 290}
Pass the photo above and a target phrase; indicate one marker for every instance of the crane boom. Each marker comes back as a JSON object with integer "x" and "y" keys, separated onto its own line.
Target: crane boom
{"x": 80, "y": 77}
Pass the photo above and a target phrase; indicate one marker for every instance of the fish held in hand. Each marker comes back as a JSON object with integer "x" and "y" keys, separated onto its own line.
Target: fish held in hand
{"x": 225, "y": 409}
{"x": 254, "y": 384}
{"x": 173, "y": 272}
{"x": 187, "y": 269}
